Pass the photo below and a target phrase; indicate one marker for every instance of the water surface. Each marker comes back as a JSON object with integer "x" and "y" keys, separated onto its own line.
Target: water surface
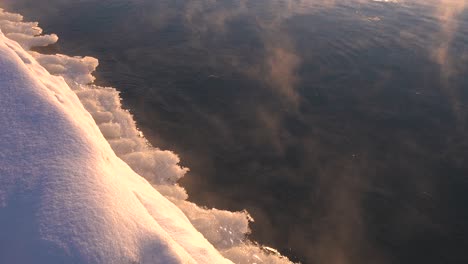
{"x": 340, "y": 125}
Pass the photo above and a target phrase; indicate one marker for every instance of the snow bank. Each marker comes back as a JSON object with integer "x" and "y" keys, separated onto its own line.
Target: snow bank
{"x": 70, "y": 166}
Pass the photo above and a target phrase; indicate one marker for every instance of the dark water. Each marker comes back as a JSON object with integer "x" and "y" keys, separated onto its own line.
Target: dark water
{"x": 339, "y": 125}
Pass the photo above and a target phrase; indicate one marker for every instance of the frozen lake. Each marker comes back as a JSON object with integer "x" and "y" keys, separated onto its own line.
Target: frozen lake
{"x": 340, "y": 125}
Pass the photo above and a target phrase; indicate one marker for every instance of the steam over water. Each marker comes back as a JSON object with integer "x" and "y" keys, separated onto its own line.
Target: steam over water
{"x": 340, "y": 125}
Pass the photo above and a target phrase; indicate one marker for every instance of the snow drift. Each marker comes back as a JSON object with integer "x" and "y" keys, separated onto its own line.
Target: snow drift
{"x": 80, "y": 184}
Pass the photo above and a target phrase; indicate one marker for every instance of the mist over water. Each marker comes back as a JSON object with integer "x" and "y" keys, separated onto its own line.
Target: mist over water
{"x": 339, "y": 125}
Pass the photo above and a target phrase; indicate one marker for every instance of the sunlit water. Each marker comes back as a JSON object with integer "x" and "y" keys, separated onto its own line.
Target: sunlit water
{"x": 339, "y": 125}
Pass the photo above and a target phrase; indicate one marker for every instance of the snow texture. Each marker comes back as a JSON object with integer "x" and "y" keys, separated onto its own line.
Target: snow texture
{"x": 78, "y": 181}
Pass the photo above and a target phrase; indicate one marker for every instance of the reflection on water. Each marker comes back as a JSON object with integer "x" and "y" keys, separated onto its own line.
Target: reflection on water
{"x": 339, "y": 124}
{"x": 449, "y": 14}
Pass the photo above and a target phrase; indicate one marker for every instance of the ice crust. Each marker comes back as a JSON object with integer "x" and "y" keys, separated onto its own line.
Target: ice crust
{"x": 78, "y": 181}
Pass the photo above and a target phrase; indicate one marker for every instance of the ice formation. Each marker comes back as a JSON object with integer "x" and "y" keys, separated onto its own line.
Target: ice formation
{"x": 78, "y": 181}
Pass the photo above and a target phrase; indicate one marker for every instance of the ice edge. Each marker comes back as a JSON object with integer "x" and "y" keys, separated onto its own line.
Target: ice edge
{"x": 223, "y": 229}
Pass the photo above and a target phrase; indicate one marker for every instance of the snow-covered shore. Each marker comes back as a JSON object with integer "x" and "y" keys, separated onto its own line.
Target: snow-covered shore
{"x": 78, "y": 181}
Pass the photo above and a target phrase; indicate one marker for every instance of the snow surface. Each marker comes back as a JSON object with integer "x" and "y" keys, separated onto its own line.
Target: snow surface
{"x": 80, "y": 184}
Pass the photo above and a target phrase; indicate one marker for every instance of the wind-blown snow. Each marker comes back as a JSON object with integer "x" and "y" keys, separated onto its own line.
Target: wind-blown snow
{"x": 78, "y": 181}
